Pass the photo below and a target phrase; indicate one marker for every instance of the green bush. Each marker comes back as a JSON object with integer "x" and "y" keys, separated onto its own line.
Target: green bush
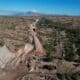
{"x": 1, "y": 42}
{"x": 69, "y": 51}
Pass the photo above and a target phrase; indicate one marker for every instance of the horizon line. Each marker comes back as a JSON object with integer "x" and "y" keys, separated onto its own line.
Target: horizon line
{"x": 53, "y": 14}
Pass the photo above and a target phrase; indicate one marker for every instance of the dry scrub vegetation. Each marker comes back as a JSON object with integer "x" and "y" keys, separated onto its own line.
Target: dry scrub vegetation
{"x": 59, "y": 35}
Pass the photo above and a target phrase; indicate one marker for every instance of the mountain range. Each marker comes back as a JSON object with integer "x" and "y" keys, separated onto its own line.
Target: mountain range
{"x": 15, "y": 13}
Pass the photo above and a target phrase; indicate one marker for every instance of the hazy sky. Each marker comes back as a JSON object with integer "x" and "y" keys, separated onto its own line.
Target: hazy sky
{"x": 65, "y": 7}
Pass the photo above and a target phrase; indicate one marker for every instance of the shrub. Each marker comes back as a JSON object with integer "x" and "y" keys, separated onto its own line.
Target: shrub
{"x": 1, "y": 42}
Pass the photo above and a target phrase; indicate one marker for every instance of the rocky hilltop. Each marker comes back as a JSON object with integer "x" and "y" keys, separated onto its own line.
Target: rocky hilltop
{"x": 42, "y": 48}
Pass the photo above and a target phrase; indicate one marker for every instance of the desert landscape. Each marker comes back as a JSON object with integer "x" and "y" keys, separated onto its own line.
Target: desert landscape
{"x": 40, "y": 47}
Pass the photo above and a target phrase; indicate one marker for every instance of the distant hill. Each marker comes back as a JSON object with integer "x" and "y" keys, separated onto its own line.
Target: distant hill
{"x": 7, "y": 13}
{"x": 15, "y": 13}
{"x": 29, "y": 13}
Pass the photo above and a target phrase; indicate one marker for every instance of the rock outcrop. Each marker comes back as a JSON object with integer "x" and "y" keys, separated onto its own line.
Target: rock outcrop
{"x": 9, "y": 61}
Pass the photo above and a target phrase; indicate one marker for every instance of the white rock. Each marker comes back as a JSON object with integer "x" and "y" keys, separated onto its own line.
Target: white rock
{"x": 5, "y": 56}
